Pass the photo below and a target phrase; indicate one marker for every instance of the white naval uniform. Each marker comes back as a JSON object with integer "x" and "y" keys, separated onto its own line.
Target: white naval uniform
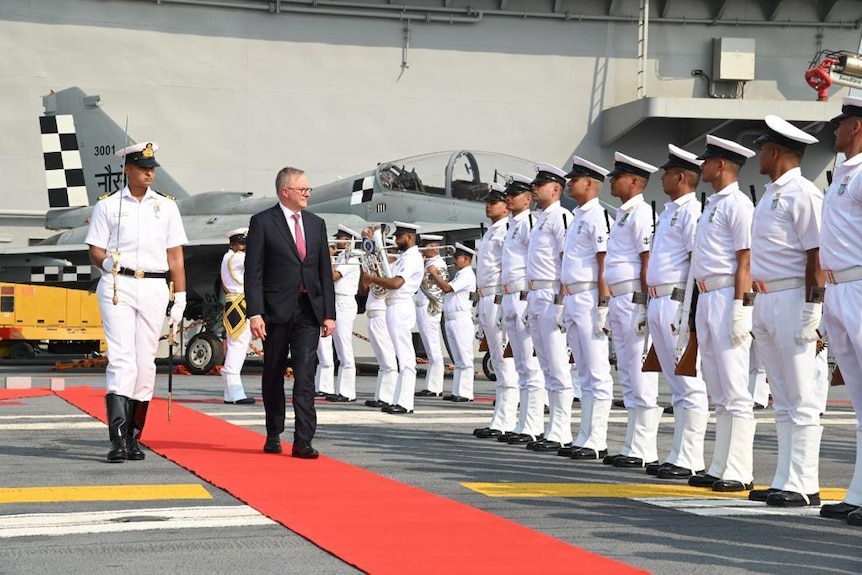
{"x": 232, "y": 273}
{"x": 531, "y": 383}
{"x": 841, "y": 254}
{"x": 723, "y": 229}
{"x": 630, "y": 236}
{"x": 786, "y": 225}
{"x": 384, "y": 350}
{"x": 141, "y": 232}
{"x": 669, "y": 264}
{"x": 579, "y": 275}
{"x": 429, "y": 330}
{"x": 544, "y": 257}
{"x": 460, "y": 330}
{"x": 489, "y": 259}
{"x": 400, "y": 319}
{"x": 347, "y": 264}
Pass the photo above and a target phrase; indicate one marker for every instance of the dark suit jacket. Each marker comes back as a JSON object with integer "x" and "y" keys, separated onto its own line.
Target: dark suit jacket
{"x": 274, "y": 272}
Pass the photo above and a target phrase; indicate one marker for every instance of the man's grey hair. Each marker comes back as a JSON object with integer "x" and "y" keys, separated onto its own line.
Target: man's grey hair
{"x": 285, "y": 175}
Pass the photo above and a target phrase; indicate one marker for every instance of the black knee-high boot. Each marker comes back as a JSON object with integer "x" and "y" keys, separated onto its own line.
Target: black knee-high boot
{"x": 135, "y": 419}
{"x": 117, "y": 408}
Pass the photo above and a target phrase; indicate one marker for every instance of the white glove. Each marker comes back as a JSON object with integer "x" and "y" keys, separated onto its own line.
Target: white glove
{"x": 740, "y": 323}
{"x": 600, "y": 323}
{"x": 560, "y": 318}
{"x": 498, "y": 317}
{"x": 641, "y": 320}
{"x": 807, "y": 330}
{"x": 480, "y": 333}
{"x": 178, "y": 309}
{"x": 676, "y": 326}
{"x": 108, "y": 264}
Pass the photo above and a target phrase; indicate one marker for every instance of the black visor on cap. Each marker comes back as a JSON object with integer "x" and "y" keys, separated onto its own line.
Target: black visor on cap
{"x": 713, "y": 151}
{"x": 780, "y": 139}
{"x": 495, "y": 196}
{"x": 579, "y": 171}
{"x": 543, "y": 177}
{"x": 624, "y": 168}
{"x": 517, "y": 188}
{"x": 677, "y": 162}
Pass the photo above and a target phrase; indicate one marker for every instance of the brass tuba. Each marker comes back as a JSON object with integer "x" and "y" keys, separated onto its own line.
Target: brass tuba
{"x": 433, "y": 292}
{"x": 375, "y": 258}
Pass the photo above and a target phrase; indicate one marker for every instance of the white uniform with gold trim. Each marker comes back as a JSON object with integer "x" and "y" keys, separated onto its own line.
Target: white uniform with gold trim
{"x": 232, "y": 272}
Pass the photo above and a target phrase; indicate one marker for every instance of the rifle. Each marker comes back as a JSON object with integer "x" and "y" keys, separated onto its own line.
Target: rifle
{"x": 837, "y": 377}
{"x": 651, "y": 363}
{"x": 483, "y": 345}
{"x": 686, "y": 343}
{"x": 508, "y": 351}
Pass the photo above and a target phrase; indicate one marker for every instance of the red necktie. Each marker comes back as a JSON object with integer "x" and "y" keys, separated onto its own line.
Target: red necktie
{"x": 300, "y": 239}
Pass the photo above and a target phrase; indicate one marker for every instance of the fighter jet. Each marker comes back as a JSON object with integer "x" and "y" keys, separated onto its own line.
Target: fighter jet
{"x": 441, "y": 192}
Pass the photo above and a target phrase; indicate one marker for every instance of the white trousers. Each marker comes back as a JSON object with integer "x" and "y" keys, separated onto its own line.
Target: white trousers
{"x": 757, "y": 384}
{"x": 384, "y": 351}
{"x": 400, "y": 319}
{"x": 505, "y": 402}
{"x": 132, "y": 330}
{"x": 526, "y": 364}
{"x": 429, "y": 331}
{"x": 591, "y": 351}
{"x": 548, "y": 340}
{"x": 640, "y": 389}
{"x": 462, "y": 334}
{"x": 342, "y": 339}
{"x": 688, "y": 393}
{"x": 725, "y": 368}
{"x": 234, "y": 359}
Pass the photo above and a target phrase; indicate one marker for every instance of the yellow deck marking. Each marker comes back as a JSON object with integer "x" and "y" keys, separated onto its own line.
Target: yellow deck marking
{"x": 620, "y": 490}
{"x": 102, "y": 493}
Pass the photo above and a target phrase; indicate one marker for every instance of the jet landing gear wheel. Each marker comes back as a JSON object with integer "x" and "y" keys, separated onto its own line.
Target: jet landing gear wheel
{"x": 204, "y": 352}
{"x": 22, "y": 350}
{"x": 488, "y": 367}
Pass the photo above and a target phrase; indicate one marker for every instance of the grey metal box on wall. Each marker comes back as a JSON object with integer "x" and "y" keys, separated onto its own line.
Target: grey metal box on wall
{"x": 733, "y": 59}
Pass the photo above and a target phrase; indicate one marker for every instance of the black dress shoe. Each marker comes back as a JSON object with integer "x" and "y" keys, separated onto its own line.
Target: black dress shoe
{"x": 619, "y": 404}
{"x": 307, "y": 452}
{"x": 792, "y": 499}
{"x": 544, "y": 446}
{"x": 671, "y": 471}
{"x": 610, "y": 459}
{"x": 320, "y": 394}
{"x": 479, "y": 430}
{"x": 855, "y": 518}
{"x": 273, "y": 444}
{"x": 506, "y": 436}
{"x": 628, "y": 461}
{"x": 567, "y": 451}
{"x": 668, "y": 410}
{"x": 731, "y": 485}
{"x": 761, "y": 494}
{"x": 652, "y": 468}
{"x": 460, "y": 399}
{"x": 448, "y": 397}
{"x": 243, "y": 401}
{"x": 487, "y": 433}
{"x": 374, "y": 403}
{"x": 589, "y": 453}
{"x": 427, "y": 393}
{"x": 518, "y": 438}
{"x": 705, "y": 480}
{"x": 397, "y": 409}
{"x": 338, "y": 398}
{"x": 838, "y": 510}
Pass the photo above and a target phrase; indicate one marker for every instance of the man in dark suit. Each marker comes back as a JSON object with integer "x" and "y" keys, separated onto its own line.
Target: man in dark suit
{"x": 291, "y": 302}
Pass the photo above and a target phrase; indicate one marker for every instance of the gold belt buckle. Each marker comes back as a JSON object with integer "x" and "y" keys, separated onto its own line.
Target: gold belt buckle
{"x": 139, "y": 274}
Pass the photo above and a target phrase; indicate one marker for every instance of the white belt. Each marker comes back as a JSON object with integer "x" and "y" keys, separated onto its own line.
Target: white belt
{"x": 372, "y": 313}
{"x": 456, "y": 314}
{"x": 844, "y": 276}
{"x": 544, "y": 284}
{"x": 489, "y": 290}
{"x": 623, "y": 288}
{"x": 715, "y": 282}
{"x": 578, "y": 287}
{"x": 515, "y": 287}
{"x": 777, "y": 285}
{"x": 664, "y": 289}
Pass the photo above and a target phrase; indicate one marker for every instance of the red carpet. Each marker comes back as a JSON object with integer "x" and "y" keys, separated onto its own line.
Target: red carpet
{"x": 338, "y": 506}
{"x": 6, "y": 394}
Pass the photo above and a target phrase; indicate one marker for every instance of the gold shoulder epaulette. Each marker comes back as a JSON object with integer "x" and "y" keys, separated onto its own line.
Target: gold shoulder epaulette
{"x": 108, "y": 195}
{"x": 168, "y": 196}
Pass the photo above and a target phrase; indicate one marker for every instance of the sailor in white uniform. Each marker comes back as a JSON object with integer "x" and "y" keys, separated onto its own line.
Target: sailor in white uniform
{"x": 584, "y": 288}
{"x": 429, "y": 307}
{"x": 669, "y": 266}
{"x": 531, "y": 383}
{"x": 785, "y": 269}
{"x": 721, "y": 268}
{"x": 544, "y": 307}
{"x": 457, "y": 308}
{"x": 626, "y": 268}
{"x": 381, "y": 344}
{"x": 237, "y": 327}
{"x": 489, "y": 261}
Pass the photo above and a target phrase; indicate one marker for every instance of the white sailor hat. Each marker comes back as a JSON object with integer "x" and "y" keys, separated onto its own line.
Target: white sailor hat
{"x": 462, "y": 250}
{"x": 581, "y": 167}
{"x": 783, "y": 133}
{"x": 143, "y": 154}
{"x": 720, "y": 148}
{"x": 517, "y": 184}
{"x": 405, "y": 228}
{"x": 430, "y": 238}
{"x": 548, "y": 173}
{"x": 237, "y": 235}
{"x": 496, "y": 193}
{"x": 679, "y": 158}
{"x": 389, "y": 243}
{"x": 624, "y": 164}
{"x": 850, "y": 106}
{"x": 345, "y": 232}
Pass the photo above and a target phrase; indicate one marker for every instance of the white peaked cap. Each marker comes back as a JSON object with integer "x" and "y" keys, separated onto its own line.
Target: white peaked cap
{"x": 407, "y": 227}
{"x": 346, "y": 230}
{"x": 783, "y": 133}
{"x": 729, "y": 150}
{"x": 624, "y": 164}
{"x": 679, "y": 158}
{"x": 497, "y": 187}
{"x": 236, "y": 232}
{"x": 137, "y": 148}
{"x": 549, "y": 173}
{"x": 430, "y": 238}
{"x": 459, "y": 247}
{"x": 582, "y": 167}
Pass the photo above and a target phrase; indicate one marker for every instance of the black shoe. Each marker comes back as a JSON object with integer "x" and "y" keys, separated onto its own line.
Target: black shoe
{"x": 338, "y": 398}
{"x": 855, "y": 518}
{"x": 731, "y": 485}
{"x": 576, "y": 400}
{"x": 427, "y": 393}
{"x": 487, "y": 433}
{"x": 628, "y": 461}
{"x": 273, "y": 443}
{"x": 759, "y": 406}
{"x": 611, "y": 459}
{"x": 397, "y": 409}
{"x": 671, "y": 471}
{"x": 668, "y": 410}
{"x": 118, "y": 413}
{"x": 117, "y": 453}
{"x": 307, "y": 452}
{"x": 506, "y": 436}
{"x": 761, "y": 494}
{"x": 838, "y": 510}
{"x": 479, "y": 430}
{"x": 539, "y": 439}
{"x": 136, "y": 419}
{"x": 792, "y": 499}
{"x": 705, "y": 480}
{"x": 460, "y": 399}
{"x": 589, "y": 453}
{"x": 375, "y": 403}
{"x": 544, "y": 446}
{"x": 448, "y": 397}
{"x": 320, "y": 394}
{"x": 619, "y": 404}
{"x": 243, "y": 401}
{"x": 652, "y": 468}
{"x": 567, "y": 451}
{"x": 518, "y": 438}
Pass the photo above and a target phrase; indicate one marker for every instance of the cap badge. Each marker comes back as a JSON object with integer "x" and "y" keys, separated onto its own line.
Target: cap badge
{"x": 148, "y": 151}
